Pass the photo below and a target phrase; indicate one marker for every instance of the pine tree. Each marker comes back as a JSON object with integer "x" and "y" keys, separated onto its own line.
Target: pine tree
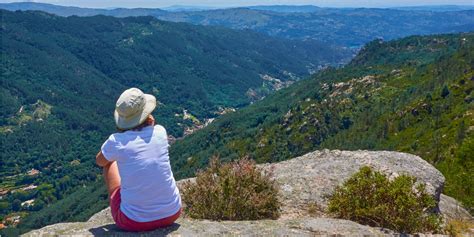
{"x": 445, "y": 91}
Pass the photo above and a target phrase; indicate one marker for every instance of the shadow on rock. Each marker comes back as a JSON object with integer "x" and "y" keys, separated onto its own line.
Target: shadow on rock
{"x": 113, "y": 230}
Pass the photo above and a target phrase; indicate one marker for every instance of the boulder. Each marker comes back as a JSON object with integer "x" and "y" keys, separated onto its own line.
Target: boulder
{"x": 451, "y": 209}
{"x": 311, "y": 178}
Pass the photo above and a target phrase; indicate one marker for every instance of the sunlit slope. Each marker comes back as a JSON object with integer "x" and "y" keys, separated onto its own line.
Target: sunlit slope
{"x": 412, "y": 95}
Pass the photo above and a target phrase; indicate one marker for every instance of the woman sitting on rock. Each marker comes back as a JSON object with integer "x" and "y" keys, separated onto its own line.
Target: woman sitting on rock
{"x": 142, "y": 190}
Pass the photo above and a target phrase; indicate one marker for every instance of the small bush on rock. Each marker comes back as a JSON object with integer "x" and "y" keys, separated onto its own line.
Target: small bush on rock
{"x": 370, "y": 198}
{"x": 233, "y": 191}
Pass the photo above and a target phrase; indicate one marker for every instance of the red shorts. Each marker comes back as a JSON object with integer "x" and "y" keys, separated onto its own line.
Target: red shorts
{"x": 125, "y": 223}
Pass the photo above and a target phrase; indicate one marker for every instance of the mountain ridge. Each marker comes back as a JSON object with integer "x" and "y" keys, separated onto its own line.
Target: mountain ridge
{"x": 341, "y": 26}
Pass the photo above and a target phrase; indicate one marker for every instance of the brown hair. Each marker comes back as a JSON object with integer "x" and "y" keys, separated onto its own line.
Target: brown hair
{"x": 149, "y": 121}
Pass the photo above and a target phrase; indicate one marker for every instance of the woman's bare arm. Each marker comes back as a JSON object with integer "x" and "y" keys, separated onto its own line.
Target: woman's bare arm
{"x": 101, "y": 161}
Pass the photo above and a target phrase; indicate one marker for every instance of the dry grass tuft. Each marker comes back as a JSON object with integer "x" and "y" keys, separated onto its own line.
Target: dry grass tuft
{"x": 233, "y": 191}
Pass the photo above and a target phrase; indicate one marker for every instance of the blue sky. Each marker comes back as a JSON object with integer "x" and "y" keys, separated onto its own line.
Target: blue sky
{"x": 234, "y": 3}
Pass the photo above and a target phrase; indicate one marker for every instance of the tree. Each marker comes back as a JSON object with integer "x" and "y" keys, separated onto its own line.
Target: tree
{"x": 445, "y": 91}
{"x": 346, "y": 122}
{"x": 461, "y": 133}
{"x": 16, "y": 205}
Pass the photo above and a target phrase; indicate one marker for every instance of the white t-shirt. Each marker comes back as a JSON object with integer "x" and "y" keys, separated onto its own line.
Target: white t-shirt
{"x": 148, "y": 189}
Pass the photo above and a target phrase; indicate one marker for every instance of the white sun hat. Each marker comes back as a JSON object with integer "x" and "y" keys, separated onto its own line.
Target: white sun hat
{"x": 132, "y": 108}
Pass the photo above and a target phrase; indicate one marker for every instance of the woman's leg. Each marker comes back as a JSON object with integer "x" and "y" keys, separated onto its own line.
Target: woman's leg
{"x": 111, "y": 177}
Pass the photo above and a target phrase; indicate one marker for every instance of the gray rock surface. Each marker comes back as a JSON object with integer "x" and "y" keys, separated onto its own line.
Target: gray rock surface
{"x": 452, "y": 209}
{"x": 101, "y": 224}
{"x": 305, "y": 183}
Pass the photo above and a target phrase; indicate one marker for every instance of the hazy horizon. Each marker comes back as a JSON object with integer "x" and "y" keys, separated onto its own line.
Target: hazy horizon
{"x": 243, "y": 3}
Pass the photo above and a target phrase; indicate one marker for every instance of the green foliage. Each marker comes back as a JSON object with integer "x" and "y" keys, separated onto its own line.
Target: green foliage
{"x": 78, "y": 206}
{"x": 232, "y": 191}
{"x": 370, "y": 198}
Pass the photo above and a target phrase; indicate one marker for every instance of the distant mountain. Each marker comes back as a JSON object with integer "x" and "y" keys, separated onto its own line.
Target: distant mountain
{"x": 286, "y": 8}
{"x": 61, "y": 77}
{"x": 413, "y": 95}
{"x": 181, "y": 8}
{"x": 50, "y": 8}
{"x": 439, "y": 8}
{"x": 349, "y": 27}
{"x": 79, "y": 11}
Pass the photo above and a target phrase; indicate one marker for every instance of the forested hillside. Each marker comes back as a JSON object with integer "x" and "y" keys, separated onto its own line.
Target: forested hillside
{"x": 61, "y": 78}
{"x": 349, "y": 27}
{"x": 188, "y": 67}
{"x": 413, "y": 95}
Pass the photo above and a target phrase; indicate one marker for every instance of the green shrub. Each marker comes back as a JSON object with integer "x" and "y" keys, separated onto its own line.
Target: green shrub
{"x": 370, "y": 198}
{"x": 233, "y": 191}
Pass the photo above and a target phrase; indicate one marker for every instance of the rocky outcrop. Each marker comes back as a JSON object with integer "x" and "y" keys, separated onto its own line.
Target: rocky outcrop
{"x": 311, "y": 178}
{"x": 101, "y": 224}
{"x": 305, "y": 184}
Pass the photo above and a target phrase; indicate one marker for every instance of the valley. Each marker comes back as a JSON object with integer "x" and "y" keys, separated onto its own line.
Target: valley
{"x": 268, "y": 83}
